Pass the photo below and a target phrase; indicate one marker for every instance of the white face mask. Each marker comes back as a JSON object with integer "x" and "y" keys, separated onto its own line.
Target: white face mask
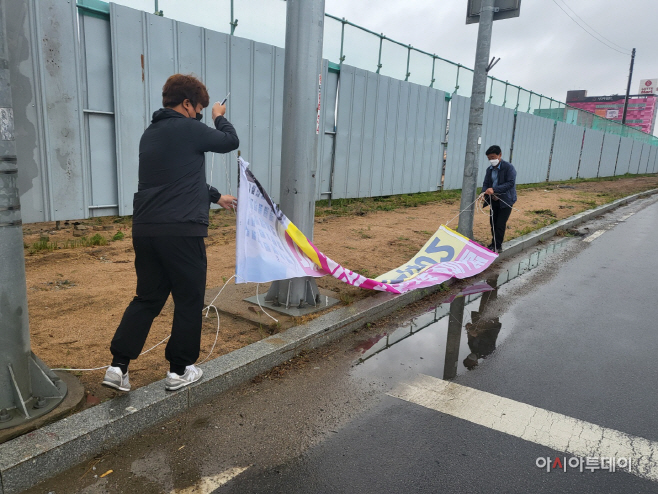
{"x": 494, "y": 162}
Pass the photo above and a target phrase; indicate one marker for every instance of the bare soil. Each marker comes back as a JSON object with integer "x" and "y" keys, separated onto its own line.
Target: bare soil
{"x": 77, "y": 294}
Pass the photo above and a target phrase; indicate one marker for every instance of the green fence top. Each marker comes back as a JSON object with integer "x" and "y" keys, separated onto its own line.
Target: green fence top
{"x": 94, "y": 8}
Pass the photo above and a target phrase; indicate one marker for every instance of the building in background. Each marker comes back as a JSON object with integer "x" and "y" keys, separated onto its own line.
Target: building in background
{"x": 641, "y": 112}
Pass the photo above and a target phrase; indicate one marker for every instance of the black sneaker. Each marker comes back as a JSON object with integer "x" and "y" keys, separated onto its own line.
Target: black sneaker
{"x": 491, "y": 247}
{"x": 499, "y": 249}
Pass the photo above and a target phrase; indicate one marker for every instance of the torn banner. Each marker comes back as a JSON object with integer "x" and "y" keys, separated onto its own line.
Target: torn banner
{"x": 270, "y": 247}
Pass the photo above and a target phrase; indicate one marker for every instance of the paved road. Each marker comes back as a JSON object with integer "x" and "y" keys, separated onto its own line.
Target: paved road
{"x": 554, "y": 360}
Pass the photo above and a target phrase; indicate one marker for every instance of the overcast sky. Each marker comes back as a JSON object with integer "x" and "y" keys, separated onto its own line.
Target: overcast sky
{"x": 543, "y": 50}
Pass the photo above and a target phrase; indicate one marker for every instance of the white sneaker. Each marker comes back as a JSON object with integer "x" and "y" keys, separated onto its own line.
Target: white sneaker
{"x": 115, "y": 379}
{"x": 174, "y": 381}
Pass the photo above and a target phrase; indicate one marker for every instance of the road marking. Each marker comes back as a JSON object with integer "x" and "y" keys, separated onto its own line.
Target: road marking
{"x": 626, "y": 216}
{"x": 594, "y": 236}
{"x": 209, "y": 484}
{"x": 533, "y": 424}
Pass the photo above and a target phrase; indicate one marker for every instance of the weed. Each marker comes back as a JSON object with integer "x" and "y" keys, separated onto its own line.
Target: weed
{"x": 545, "y": 212}
{"x": 362, "y": 233}
{"x": 346, "y": 298}
{"x": 97, "y": 239}
{"x": 364, "y": 272}
{"x": 118, "y": 236}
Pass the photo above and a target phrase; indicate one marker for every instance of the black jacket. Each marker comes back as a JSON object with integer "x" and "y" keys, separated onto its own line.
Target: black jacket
{"x": 173, "y": 197}
{"x": 506, "y": 188}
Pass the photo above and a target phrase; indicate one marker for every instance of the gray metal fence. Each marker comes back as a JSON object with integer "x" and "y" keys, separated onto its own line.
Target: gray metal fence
{"x": 85, "y": 87}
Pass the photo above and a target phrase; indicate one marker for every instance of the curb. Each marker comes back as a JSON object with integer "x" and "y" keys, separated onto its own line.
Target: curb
{"x": 39, "y": 455}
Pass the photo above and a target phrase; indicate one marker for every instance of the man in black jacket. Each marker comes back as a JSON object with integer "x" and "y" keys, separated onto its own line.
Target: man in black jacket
{"x": 499, "y": 191}
{"x": 170, "y": 221}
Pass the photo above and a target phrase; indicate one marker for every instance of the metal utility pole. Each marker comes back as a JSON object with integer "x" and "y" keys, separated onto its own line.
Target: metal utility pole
{"x": 469, "y": 184}
{"x": 302, "y": 71}
{"x": 628, "y": 88}
{"x": 28, "y": 388}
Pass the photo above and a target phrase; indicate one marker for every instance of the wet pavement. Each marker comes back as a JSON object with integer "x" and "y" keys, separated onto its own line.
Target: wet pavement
{"x": 568, "y": 332}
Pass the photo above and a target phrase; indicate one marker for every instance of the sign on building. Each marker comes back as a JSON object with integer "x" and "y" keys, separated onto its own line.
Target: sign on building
{"x": 649, "y": 86}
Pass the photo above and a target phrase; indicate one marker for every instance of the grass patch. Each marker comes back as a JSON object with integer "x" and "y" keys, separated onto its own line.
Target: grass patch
{"x": 361, "y": 207}
{"x": 47, "y": 246}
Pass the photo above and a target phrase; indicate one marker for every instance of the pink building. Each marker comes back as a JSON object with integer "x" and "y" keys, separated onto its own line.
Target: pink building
{"x": 641, "y": 112}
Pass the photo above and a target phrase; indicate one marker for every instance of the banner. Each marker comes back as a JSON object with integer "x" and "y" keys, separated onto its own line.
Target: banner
{"x": 270, "y": 247}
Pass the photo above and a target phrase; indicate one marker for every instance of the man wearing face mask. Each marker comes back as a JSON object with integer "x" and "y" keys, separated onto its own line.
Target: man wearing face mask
{"x": 170, "y": 221}
{"x": 499, "y": 192}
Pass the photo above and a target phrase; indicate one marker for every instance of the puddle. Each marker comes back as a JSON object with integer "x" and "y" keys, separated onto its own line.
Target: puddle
{"x": 454, "y": 337}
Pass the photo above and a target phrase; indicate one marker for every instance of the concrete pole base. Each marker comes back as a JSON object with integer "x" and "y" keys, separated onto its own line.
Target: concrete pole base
{"x": 48, "y": 391}
{"x": 297, "y": 293}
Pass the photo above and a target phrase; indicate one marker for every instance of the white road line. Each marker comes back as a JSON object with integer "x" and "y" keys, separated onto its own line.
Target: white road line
{"x": 626, "y": 216}
{"x": 209, "y": 484}
{"x": 530, "y": 423}
{"x": 594, "y": 236}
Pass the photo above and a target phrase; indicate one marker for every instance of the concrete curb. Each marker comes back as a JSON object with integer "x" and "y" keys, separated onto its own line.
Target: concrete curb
{"x": 39, "y": 455}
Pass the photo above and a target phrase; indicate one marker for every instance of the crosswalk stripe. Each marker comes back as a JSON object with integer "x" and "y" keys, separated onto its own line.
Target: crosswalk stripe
{"x": 208, "y": 484}
{"x": 554, "y": 430}
{"x": 594, "y": 236}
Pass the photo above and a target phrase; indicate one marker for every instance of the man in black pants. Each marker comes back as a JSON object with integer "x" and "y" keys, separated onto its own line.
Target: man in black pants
{"x": 499, "y": 191}
{"x": 170, "y": 221}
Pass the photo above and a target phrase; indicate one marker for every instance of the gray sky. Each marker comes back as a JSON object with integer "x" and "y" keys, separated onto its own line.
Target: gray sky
{"x": 543, "y": 50}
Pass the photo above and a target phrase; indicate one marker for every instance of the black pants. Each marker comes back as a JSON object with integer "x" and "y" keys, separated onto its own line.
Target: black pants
{"x": 498, "y": 222}
{"x": 164, "y": 265}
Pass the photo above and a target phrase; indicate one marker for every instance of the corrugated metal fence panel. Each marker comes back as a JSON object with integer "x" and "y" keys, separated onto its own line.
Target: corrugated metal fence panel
{"x": 650, "y": 158}
{"x": 389, "y": 136}
{"x": 99, "y": 115}
{"x": 48, "y": 105}
{"x": 644, "y": 158}
{"x": 589, "y": 161}
{"x": 532, "y": 148}
{"x": 624, "y": 156}
{"x": 636, "y": 154}
{"x": 437, "y": 148}
{"x": 497, "y": 128}
{"x": 566, "y": 151}
{"x": 326, "y": 136}
{"x": 130, "y": 88}
{"x": 216, "y": 78}
{"x": 609, "y": 155}
{"x": 457, "y": 133}
{"x": 655, "y": 161}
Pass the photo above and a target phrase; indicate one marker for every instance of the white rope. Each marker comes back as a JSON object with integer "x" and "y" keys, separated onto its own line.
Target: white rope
{"x": 261, "y": 307}
{"x": 467, "y": 208}
{"x": 106, "y": 366}
{"x": 216, "y": 336}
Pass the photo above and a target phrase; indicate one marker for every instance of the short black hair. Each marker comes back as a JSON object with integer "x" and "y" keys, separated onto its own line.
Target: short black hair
{"x": 180, "y": 87}
{"x": 493, "y": 150}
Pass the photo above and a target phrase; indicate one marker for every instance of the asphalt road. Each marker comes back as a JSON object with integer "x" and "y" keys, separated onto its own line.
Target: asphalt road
{"x": 555, "y": 359}
{"x": 582, "y": 344}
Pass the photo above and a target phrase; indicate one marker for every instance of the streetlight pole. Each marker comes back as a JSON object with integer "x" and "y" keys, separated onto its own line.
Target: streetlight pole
{"x": 302, "y": 72}
{"x": 28, "y": 388}
{"x": 628, "y": 88}
{"x": 473, "y": 140}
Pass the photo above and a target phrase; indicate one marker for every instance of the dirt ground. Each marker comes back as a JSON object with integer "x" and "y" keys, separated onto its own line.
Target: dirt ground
{"x": 77, "y": 293}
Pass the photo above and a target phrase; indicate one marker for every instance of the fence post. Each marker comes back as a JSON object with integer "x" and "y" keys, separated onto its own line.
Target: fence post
{"x": 433, "y": 64}
{"x": 406, "y": 78}
{"x": 379, "y": 59}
